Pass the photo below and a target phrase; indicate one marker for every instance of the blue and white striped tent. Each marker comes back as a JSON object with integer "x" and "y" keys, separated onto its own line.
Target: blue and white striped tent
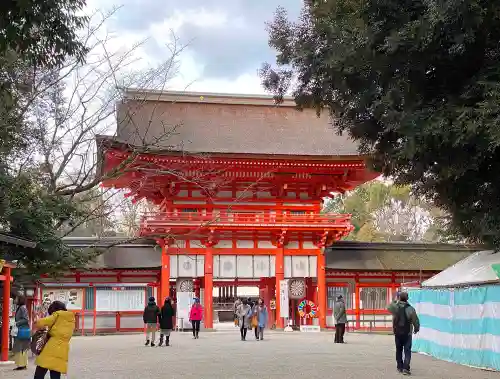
{"x": 459, "y": 311}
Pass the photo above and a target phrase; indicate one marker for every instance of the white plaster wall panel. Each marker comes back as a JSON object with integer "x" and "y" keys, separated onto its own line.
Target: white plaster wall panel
{"x": 308, "y": 245}
{"x": 292, "y": 245}
{"x": 200, "y": 265}
{"x": 196, "y": 244}
{"x": 227, "y": 266}
{"x": 244, "y": 194}
{"x": 264, "y": 195}
{"x": 187, "y": 266}
{"x": 183, "y": 193}
{"x": 272, "y": 267}
{"x": 265, "y": 245}
{"x": 196, "y": 194}
{"x": 243, "y": 244}
{"x": 225, "y": 194}
{"x": 261, "y": 266}
{"x": 129, "y": 322}
{"x": 304, "y": 196}
{"x": 224, "y": 244}
{"x": 173, "y": 266}
{"x": 288, "y": 266}
{"x": 313, "y": 266}
{"x": 300, "y": 267}
{"x": 215, "y": 266}
{"x": 298, "y": 204}
{"x": 180, "y": 244}
{"x": 244, "y": 266}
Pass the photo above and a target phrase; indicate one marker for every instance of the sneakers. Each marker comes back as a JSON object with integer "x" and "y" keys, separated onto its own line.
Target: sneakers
{"x": 20, "y": 368}
{"x": 153, "y": 344}
{"x": 147, "y": 343}
{"x": 406, "y": 372}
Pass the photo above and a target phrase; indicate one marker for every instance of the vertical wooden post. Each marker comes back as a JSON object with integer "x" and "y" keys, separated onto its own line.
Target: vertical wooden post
{"x": 208, "y": 293}
{"x": 164, "y": 273}
{"x": 322, "y": 310}
{"x": 357, "y": 302}
{"x": 94, "y": 323}
{"x": 5, "y": 314}
{"x": 280, "y": 275}
{"x": 196, "y": 285}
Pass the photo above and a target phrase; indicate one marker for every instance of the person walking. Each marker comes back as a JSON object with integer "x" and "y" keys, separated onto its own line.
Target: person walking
{"x": 23, "y": 338}
{"x": 405, "y": 322}
{"x": 339, "y": 313}
{"x": 54, "y": 355}
{"x": 262, "y": 317}
{"x": 244, "y": 313}
{"x": 151, "y": 317}
{"x": 237, "y": 303}
{"x": 195, "y": 316}
{"x": 166, "y": 321}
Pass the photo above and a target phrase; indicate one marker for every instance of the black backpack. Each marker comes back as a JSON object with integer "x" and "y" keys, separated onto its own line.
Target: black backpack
{"x": 402, "y": 324}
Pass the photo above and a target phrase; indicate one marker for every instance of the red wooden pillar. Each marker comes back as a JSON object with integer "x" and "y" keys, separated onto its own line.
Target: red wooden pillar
{"x": 196, "y": 286}
{"x": 164, "y": 273}
{"x": 357, "y": 302}
{"x": 280, "y": 275}
{"x": 322, "y": 311}
{"x": 5, "y": 314}
{"x": 208, "y": 293}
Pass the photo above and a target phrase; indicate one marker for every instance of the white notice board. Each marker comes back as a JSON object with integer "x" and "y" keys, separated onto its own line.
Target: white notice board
{"x": 120, "y": 300}
{"x": 284, "y": 299}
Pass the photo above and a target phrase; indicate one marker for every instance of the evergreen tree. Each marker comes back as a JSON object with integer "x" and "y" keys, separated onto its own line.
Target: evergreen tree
{"x": 416, "y": 83}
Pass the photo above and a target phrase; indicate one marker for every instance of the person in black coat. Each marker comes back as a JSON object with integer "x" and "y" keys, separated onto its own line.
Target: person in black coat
{"x": 151, "y": 316}
{"x": 166, "y": 321}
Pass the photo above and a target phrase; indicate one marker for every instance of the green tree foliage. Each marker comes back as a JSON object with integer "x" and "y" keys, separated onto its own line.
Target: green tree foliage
{"x": 383, "y": 212}
{"x": 34, "y": 36}
{"x": 416, "y": 83}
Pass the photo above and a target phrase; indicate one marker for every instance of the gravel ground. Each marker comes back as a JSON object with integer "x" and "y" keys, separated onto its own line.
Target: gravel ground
{"x": 222, "y": 355}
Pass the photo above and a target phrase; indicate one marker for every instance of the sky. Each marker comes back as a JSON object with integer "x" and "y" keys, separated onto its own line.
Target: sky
{"x": 225, "y": 40}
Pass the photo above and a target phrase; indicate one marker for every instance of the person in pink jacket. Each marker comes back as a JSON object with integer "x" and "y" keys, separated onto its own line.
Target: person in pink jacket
{"x": 195, "y": 316}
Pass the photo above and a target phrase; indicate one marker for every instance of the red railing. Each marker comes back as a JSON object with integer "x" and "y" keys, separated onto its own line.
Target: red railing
{"x": 245, "y": 219}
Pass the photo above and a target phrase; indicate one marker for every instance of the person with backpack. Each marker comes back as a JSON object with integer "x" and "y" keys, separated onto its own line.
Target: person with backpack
{"x": 151, "y": 317}
{"x": 405, "y": 322}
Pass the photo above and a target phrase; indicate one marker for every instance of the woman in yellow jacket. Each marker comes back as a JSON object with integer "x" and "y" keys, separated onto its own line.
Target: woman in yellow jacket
{"x": 54, "y": 356}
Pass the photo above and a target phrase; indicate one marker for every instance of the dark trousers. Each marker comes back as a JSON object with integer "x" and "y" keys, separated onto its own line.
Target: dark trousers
{"x": 243, "y": 331}
{"x": 196, "y": 326}
{"x": 403, "y": 347}
{"x": 40, "y": 373}
{"x": 256, "y": 329}
{"x": 339, "y": 333}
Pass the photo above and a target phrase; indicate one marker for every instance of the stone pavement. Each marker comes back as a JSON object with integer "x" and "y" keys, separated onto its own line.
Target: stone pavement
{"x": 222, "y": 355}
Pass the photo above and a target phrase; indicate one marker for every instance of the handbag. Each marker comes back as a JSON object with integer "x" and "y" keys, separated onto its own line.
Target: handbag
{"x": 23, "y": 333}
{"x": 40, "y": 339}
{"x": 254, "y": 322}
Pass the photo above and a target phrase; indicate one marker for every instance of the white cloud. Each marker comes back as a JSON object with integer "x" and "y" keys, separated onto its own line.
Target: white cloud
{"x": 160, "y": 34}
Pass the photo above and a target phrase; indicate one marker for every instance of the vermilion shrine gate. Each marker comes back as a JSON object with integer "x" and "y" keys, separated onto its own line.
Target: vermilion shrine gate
{"x": 239, "y": 183}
